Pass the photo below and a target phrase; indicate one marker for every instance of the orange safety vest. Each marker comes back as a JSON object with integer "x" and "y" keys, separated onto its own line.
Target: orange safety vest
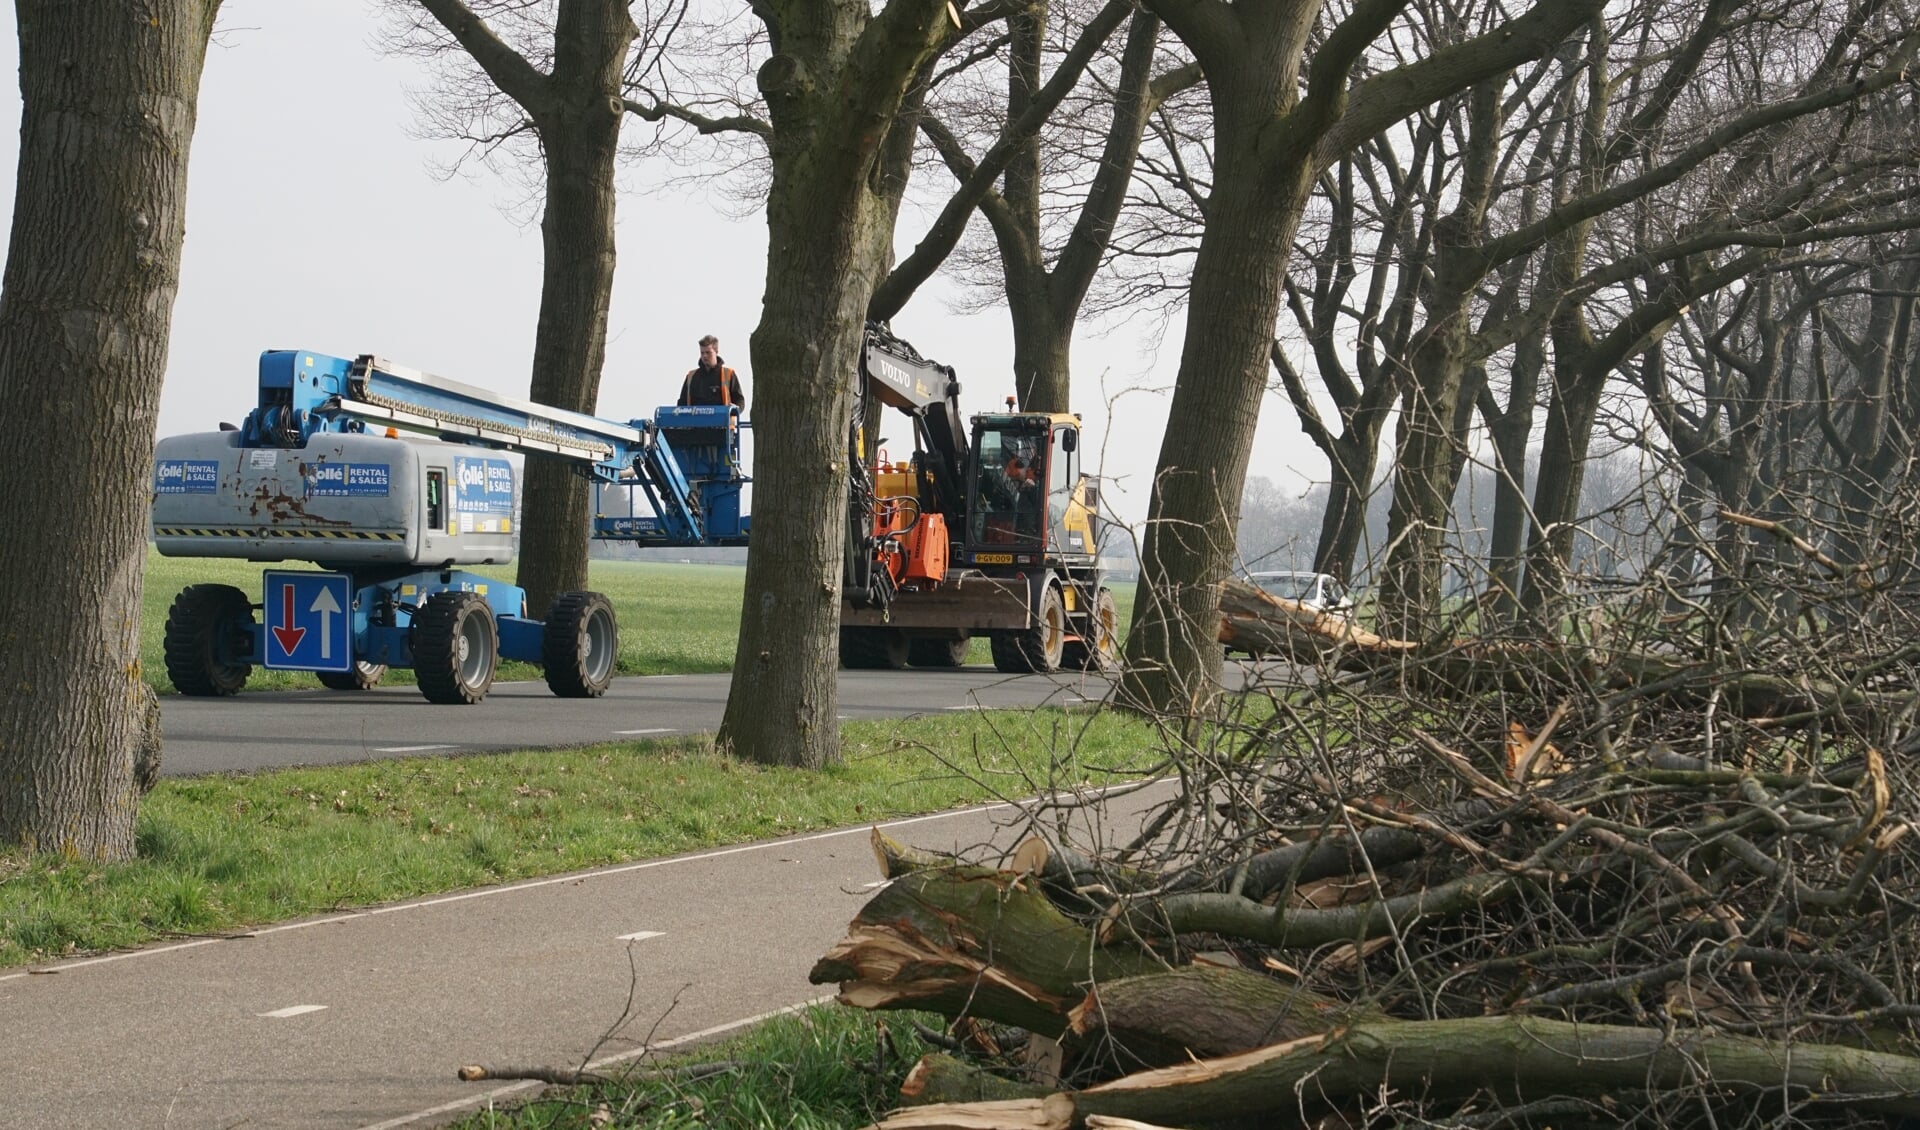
{"x": 727, "y": 377}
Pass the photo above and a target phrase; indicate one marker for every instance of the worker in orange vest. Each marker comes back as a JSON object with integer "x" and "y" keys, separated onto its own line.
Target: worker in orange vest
{"x": 712, "y": 382}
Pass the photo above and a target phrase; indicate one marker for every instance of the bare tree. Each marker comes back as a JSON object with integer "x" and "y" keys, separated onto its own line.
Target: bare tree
{"x": 1048, "y": 252}
{"x": 842, "y": 90}
{"x": 553, "y": 78}
{"x": 108, "y": 110}
{"x": 1271, "y": 142}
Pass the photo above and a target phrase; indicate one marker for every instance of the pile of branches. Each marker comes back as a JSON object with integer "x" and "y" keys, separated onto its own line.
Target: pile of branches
{"x": 1374, "y": 904}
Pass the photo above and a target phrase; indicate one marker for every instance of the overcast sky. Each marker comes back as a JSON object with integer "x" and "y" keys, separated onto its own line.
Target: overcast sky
{"x": 316, "y": 222}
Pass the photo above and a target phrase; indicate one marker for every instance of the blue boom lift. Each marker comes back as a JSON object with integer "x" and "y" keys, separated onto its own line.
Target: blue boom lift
{"x": 320, "y": 472}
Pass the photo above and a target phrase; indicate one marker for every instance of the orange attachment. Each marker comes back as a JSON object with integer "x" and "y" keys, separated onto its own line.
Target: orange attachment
{"x": 927, "y": 551}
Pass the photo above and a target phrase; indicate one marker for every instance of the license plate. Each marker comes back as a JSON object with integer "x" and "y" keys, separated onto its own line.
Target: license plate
{"x": 993, "y": 559}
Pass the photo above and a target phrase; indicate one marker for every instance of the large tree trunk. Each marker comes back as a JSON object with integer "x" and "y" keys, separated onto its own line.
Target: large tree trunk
{"x": 843, "y": 96}
{"x": 1517, "y": 1057}
{"x": 107, "y": 118}
{"x": 1509, "y": 431}
{"x": 580, "y": 135}
{"x": 1172, "y": 659}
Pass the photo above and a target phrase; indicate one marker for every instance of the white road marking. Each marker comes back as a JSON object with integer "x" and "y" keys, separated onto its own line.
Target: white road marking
{"x": 409, "y": 748}
{"x": 292, "y": 1010}
{"x": 655, "y": 730}
{"x": 969, "y": 706}
{"x": 640, "y": 935}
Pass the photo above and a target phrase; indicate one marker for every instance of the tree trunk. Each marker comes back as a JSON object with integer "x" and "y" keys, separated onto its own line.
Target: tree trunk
{"x": 1197, "y": 1011}
{"x": 973, "y": 942}
{"x": 580, "y": 135}
{"x": 1518, "y": 1056}
{"x": 1509, "y": 431}
{"x": 1172, "y": 658}
{"x": 107, "y": 118}
{"x": 843, "y": 97}
{"x": 1423, "y": 479}
{"x": 1556, "y": 492}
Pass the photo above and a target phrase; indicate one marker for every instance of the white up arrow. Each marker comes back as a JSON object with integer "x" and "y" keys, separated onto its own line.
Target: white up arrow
{"x": 326, "y": 606}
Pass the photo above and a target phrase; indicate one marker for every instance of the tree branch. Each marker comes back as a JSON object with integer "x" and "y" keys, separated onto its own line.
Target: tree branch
{"x": 512, "y": 73}
{"x": 1378, "y": 102}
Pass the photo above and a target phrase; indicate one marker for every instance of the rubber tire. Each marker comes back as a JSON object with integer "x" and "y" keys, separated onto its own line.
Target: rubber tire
{"x": 456, "y": 648}
{"x": 873, "y": 649}
{"x": 363, "y": 677}
{"x": 201, "y": 616}
{"x": 1104, "y": 622}
{"x": 581, "y": 645}
{"x": 949, "y": 654}
{"x": 1036, "y": 649}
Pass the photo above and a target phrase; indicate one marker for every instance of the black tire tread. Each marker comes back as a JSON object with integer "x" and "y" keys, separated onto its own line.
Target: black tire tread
{"x": 192, "y": 637}
{"x": 566, "y": 676}
{"x": 1025, "y": 651}
{"x": 872, "y": 649}
{"x": 436, "y": 630}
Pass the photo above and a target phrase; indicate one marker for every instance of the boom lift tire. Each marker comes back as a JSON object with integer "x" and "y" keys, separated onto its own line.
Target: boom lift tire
{"x": 926, "y": 652}
{"x": 1036, "y": 649}
{"x": 581, "y": 645}
{"x": 456, "y": 648}
{"x": 364, "y": 676}
{"x": 873, "y": 649}
{"x": 205, "y": 623}
{"x": 1094, "y": 650}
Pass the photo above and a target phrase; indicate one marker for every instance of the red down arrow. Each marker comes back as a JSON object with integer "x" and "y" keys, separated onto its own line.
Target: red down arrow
{"x": 289, "y": 636}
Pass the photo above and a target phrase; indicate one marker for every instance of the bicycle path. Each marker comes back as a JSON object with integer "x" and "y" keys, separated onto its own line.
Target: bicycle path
{"x": 360, "y": 1019}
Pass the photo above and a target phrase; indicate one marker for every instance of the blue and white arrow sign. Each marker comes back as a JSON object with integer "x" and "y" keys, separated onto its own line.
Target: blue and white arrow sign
{"x": 307, "y": 625}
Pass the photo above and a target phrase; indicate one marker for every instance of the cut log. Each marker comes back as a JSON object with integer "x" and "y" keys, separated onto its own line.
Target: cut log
{"x": 1459, "y": 1057}
{"x": 1054, "y": 1112}
{"x": 941, "y": 1078}
{"x": 972, "y": 942}
{"x": 1200, "y": 1011}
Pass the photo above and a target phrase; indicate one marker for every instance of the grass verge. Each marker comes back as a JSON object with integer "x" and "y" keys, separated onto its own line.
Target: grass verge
{"x": 822, "y": 1068}
{"x": 220, "y": 852}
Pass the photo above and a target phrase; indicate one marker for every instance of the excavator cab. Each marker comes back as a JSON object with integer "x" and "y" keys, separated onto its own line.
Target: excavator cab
{"x": 1009, "y": 511}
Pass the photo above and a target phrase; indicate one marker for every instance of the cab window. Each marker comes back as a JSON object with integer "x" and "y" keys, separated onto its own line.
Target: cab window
{"x": 1011, "y": 477}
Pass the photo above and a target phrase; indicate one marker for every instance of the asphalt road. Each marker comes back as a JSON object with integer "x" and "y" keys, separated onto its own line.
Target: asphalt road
{"x": 361, "y": 1019}
{"x": 276, "y": 729}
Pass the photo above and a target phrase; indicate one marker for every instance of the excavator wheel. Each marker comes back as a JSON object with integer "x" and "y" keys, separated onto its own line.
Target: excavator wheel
{"x": 873, "y": 649}
{"x": 581, "y": 645}
{"x": 1036, "y": 649}
{"x": 1095, "y": 649}
{"x": 207, "y": 627}
{"x": 363, "y": 676}
{"x": 926, "y": 652}
{"x": 456, "y": 648}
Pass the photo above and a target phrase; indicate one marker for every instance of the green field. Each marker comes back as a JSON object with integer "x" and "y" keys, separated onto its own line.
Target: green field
{"x": 674, "y": 619}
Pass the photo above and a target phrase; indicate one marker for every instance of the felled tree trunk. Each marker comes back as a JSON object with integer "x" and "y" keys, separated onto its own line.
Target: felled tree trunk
{"x": 972, "y": 942}
{"x": 1460, "y": 1057}
{"x": 1255, "y": 621}
{"x": 1204, "y": 1010}
{"x": 967, "y": 941}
